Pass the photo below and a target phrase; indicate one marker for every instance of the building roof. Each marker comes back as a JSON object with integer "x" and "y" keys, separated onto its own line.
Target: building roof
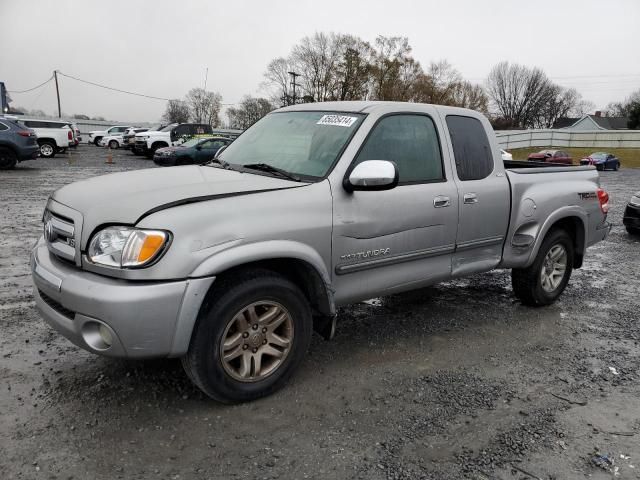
{"x": 611, "y": 123}
{"x": 564, "y": 122}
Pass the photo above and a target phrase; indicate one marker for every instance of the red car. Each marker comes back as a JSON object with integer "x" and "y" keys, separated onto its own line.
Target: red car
{"x": 551, "y": 156}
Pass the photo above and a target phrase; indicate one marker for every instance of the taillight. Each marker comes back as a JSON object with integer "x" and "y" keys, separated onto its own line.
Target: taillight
{"x": 70, "y": 135}
{"x": 603, "y": 198}
{"x": 24, "y": 133}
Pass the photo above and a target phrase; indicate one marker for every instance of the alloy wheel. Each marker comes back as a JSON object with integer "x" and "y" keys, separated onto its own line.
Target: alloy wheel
{"x": 553, "y": 268}
{"x": 256, "y": 341}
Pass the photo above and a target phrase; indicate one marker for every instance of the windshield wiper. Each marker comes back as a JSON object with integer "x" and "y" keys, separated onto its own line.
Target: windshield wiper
{"x": 265, "y": 167}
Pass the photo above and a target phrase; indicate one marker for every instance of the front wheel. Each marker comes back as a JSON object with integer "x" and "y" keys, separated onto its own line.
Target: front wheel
{"x": 252, "y": 333}
{"x": 96, "y": 141}
{"x": 544, "y": 281}
{"x": 113, "y": 144}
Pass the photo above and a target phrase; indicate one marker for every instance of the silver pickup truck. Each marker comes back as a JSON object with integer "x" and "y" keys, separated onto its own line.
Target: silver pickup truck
{"x": 232, "y": 264}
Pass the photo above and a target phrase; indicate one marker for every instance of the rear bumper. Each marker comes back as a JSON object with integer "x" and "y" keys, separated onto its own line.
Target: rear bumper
{"x": 28, "y": 153}
{"x": 144, "y": 319}
{"x": 631, "y": 217}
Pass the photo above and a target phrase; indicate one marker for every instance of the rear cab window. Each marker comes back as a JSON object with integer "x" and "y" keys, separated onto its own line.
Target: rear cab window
{"x": 471, "y": 149}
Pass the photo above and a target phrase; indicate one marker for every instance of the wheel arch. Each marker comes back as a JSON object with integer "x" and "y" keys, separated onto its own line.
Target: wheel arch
{"x": 42, "y": 140}
{"x": 574, "y": 222}
{"x": 159, "y": 144}
{"x": 296, "y": 261}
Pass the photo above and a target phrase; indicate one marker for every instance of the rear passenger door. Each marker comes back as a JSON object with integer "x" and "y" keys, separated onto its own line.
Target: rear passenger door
{"x": 484, "y": 197}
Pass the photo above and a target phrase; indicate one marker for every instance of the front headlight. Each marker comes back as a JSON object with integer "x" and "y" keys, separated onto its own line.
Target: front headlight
{"x": 124, "y": 247}
{"x": 635, "y": 201}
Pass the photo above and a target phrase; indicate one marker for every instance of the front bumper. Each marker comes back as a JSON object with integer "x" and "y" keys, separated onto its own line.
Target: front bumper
{"x": 144, "y": 319}
{"x": 163, "y": 161}
{"x": 631, "y": 216}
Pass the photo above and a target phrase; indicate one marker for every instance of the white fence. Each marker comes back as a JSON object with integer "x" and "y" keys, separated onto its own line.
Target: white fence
{"x": 509, "y": 139}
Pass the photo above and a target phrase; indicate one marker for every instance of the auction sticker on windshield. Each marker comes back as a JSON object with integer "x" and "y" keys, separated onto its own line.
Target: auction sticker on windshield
{"x": 337, "y": 120}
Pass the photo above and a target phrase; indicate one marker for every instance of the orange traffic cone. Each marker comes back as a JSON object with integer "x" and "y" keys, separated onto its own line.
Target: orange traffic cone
{"x": 109, "y": 157}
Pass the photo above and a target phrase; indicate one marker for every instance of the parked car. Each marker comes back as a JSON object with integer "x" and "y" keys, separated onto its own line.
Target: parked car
{"x": 602, "y": 161}
{"x": 231, "y": 264}
{"x": 505, "y": 155}
{"x": 551, "y": 156}
{"x": 175, "y": 134}
{"x": 631, "y": 219}
{"x": 128, "y": 137}
{"x": 54, "y": 136}
{"x": 194, "y": 151}
{"x": 17, "y": 143}
{"x": 96, "y": 135}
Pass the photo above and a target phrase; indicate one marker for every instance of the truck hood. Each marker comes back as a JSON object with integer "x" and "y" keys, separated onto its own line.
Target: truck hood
{"x": 127, "y": 197}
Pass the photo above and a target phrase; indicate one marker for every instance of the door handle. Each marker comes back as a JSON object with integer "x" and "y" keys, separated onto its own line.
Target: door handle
{"x": 470, "y": 198}
{"x": 441, "y": 201}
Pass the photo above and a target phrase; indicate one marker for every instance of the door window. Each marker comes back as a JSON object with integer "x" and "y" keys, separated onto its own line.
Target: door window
{"x": 471, "y": 148}
{"x": 411, "y": 141}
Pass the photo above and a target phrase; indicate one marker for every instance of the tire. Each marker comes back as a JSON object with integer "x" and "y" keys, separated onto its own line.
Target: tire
{"x": 616, "y": 166}
{"x": 136, "y": 152}
{"x": 528, "y": 283}
{"x": 633, "y": 231}
{"x": 47, "y": 149}
{"x": 600, "y": 168}
{"x": 8, "y": 159}
{"x": 96, "y": 141}
{"x": 220, "y": 318}
{"x": 113, "y": 145}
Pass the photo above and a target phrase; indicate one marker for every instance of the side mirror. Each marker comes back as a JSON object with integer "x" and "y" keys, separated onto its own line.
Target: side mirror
{"x": 220, "y": 151}
{"x": 373, "y": 175}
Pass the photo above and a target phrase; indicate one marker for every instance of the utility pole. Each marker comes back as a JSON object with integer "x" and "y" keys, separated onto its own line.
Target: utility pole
{"x": 206, "y": 75}
{"x": 294, "y": 75}
{"x": 55, "y": 75}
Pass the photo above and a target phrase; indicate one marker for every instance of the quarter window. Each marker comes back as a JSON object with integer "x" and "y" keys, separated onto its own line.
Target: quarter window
{"x": 411, "y": 141}
{"x": 471, "y": 148}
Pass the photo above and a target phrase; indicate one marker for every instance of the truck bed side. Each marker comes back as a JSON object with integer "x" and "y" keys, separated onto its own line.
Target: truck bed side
{"x": 544, "y": 197}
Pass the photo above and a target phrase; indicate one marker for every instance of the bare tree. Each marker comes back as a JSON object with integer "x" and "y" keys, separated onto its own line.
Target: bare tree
{"x": 353, "y": 69}
{"x": 392, "y": 67}
{"x": 177, "y": 111}
{"x": 248, "y": 112}
{"x": 204, "y": 107}
{"x": 278, "y": 80}
{"x": 317, "y": 58}
{"x": 622, "y": 109}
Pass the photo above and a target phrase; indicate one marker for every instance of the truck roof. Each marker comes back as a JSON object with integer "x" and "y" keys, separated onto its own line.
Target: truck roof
{"x": 369, "y": 106}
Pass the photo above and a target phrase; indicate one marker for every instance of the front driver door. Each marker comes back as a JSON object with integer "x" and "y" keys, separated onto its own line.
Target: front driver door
{"x": 399, "y": 239}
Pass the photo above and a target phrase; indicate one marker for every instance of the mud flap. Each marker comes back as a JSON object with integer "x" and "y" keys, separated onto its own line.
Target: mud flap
{"x": 325, "y": 326}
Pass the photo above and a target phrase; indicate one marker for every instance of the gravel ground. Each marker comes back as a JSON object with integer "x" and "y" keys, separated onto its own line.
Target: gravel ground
{"x": 454, "y": 381}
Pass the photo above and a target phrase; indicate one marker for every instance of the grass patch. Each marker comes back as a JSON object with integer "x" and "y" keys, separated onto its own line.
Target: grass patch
{"x": 629, "y": 157}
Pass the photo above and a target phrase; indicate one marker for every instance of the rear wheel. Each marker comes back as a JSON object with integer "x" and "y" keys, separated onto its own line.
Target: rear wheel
{"x": 8, "y": 159}
{"x": 545, "y": 280}
{"x": 47, "y": 149}
{"x": 252, "y": 333}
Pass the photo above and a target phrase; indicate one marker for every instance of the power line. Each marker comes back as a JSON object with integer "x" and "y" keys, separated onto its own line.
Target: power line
{"x": 34, "y": 88}
{"x": 112, "y": 88}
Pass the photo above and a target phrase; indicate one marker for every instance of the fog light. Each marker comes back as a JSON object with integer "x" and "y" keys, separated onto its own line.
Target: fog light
{"x": 105, "y": 335}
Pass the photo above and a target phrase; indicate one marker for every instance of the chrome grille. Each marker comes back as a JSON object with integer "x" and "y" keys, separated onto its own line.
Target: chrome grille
{"x": 59, "y": 232}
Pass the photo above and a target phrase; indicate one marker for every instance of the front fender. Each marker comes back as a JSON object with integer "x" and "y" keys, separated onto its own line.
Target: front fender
{"x": 266, "y": 250}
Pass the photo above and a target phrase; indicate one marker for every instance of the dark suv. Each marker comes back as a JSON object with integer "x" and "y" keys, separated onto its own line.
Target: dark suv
{"x": 17, "y": 144}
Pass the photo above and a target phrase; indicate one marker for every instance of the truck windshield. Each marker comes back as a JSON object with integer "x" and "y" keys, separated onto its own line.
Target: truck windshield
{"x": 302, "y": 143}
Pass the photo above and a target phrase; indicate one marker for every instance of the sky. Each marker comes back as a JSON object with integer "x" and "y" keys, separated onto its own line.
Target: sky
{"x": 162, "y": 48}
